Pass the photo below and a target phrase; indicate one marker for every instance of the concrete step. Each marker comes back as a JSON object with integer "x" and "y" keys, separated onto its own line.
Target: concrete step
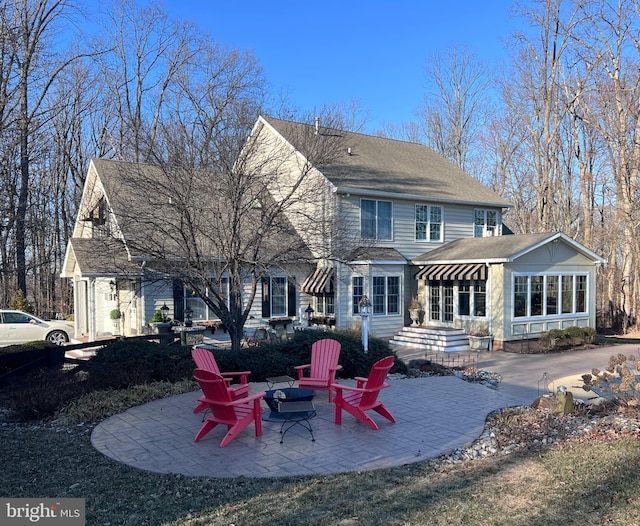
{"x": 432, "y": 339}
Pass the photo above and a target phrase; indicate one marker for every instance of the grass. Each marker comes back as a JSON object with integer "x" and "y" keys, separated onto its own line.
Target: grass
{"x": 595, "y": 482}
{"x": 590, "y": 480}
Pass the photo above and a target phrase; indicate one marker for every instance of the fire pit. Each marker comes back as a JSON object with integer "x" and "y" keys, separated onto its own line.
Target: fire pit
{"x": 288, "y": 394}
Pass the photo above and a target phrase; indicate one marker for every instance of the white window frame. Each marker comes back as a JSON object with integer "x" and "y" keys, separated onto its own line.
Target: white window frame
{"x": 481, "y": 226}
{"x": 357, "y": 291}
{"x": 191, "y": 301}
{"x": 386, "y": 296}
{"x": 273, "y": 295}
{"x": 377, "y": 220}
{"x": 428, "y": 224}
{"x": 561, "y": 311}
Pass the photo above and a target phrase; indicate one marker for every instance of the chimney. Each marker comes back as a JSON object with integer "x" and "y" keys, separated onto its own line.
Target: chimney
{"x": 317, "y": 125}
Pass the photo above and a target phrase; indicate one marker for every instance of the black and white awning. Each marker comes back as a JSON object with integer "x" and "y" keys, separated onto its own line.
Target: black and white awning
{"x": 321, "y": 281}
{"x": 458, "y": 271}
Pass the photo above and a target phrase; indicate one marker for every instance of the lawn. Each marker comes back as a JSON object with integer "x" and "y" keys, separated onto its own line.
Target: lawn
{"x": 589, "y": 475}
{"x": 595, "y": 481}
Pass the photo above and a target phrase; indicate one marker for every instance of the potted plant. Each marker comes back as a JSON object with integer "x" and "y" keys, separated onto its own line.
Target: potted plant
{"x": 480, "y": 340}
{"x": 160, "y": 322}
{"x": 414, "y": 311}
{"x": 115, "y": 316}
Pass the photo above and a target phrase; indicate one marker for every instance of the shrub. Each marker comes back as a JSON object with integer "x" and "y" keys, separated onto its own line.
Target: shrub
{"x": 557, "y": 334}
{"x": 124, "y": 363}
{"x": 41, "y": 393}
{"x": 574, "y": 332}
{"x": 115, "y": 314}
{"x": 275, "y": 359}
{"x": 98, "y": 405}
{"x": 126, "y": 373}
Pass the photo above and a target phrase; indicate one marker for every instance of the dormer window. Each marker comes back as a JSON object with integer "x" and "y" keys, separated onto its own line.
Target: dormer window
{"x": 486, "y": 223}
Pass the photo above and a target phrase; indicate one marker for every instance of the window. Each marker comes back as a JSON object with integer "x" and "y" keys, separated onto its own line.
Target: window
{"x": 472, "y": 298}
{"x": 537, "y": 295}
{"x": 485, "y": 223}
{"x": 357, "y": 293}
{"x": 16, "y": 317}
{"x": 385, "y": 296}
{"x": 428, "y": 223}
{"x": 480, "y": 298}
{"x": 567, "y": 294}
{"x": 520, "y": 293}
{"x": 278, "y": 296}
{"x": 581, "y": 293}
{"x": 197, "y": 304}
{"x": 464, "y": 298}
{"x": 552, "y": 295}
{"x": 375, "y": 219}
{"x": 434, "y": 306}
{"x": 325, "y": 304}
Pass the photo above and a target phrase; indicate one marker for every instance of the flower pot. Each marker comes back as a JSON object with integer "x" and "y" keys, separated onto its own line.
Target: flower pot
{"x": 414, "y": 314}
{"x": 480, "y": 343}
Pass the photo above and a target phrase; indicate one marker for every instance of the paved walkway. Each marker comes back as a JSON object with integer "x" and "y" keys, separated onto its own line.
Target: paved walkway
{"x": 434, "y": 415}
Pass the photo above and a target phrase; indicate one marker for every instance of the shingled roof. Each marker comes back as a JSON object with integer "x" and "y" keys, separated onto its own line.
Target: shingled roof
{"x": 392, "y": 167}
{"x": 496, "y": 249}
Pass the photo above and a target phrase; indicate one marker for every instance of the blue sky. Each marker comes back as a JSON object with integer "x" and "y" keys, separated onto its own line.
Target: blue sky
{"x": 329, "y": 51}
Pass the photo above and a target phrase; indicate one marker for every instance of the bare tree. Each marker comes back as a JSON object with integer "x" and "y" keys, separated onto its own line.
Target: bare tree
{"x": 29, "y": 26}
{"x": 455, "y": 105}
{"x": 203, "y": 226}
{"x": 610, "y": 43}
{"x": 149, "y": 51}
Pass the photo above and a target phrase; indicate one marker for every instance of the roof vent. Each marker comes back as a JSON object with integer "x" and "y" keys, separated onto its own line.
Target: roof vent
{"x": 317, "y": 125}
{"x": 349, "y": 150}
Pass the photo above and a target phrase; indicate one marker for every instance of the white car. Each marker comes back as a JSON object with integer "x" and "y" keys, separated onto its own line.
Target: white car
{"x": 17, "y": 327}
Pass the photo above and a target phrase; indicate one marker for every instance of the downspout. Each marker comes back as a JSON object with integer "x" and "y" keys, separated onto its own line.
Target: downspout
{"x": 142, "y": 317}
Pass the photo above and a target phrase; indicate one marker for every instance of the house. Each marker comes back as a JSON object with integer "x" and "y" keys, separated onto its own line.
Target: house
{"x": 392, "y": 220}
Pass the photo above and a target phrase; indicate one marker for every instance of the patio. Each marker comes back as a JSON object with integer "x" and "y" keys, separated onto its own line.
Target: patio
{"x": 434, "y": 415}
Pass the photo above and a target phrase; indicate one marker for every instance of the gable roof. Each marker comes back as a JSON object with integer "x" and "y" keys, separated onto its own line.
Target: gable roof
{"x": 98, "y": 257}
{"x": 150, "y": 205}
{"x": 497, "y": 249}
{"x": 378, "y": 166}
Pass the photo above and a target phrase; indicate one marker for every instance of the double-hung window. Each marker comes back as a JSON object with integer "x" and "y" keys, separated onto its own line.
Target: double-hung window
{"x": 376, "y": 219}
{"x": 357, "y": 293}
{"x": 485, "y": 223}
{"x": 385, "y": 296}
{"x": 199, "y": 309}
{"x": 278, "y": 296}
{"x": 428, "y": 223}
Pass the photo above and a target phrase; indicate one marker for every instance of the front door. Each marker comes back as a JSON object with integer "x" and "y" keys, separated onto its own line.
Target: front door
{"x": 441, "y": 304}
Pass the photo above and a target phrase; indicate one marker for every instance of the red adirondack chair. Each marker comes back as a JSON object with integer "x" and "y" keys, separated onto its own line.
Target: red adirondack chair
{"x": 235, "y": 414}
{"x": 364, "y": 397}
{"x": 205, "y": 360}
{"x": 322, "y": 369}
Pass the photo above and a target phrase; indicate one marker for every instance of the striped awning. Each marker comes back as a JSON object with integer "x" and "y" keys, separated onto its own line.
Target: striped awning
{"x": 321, "y": 281}
{"x": 459, "y": 271}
